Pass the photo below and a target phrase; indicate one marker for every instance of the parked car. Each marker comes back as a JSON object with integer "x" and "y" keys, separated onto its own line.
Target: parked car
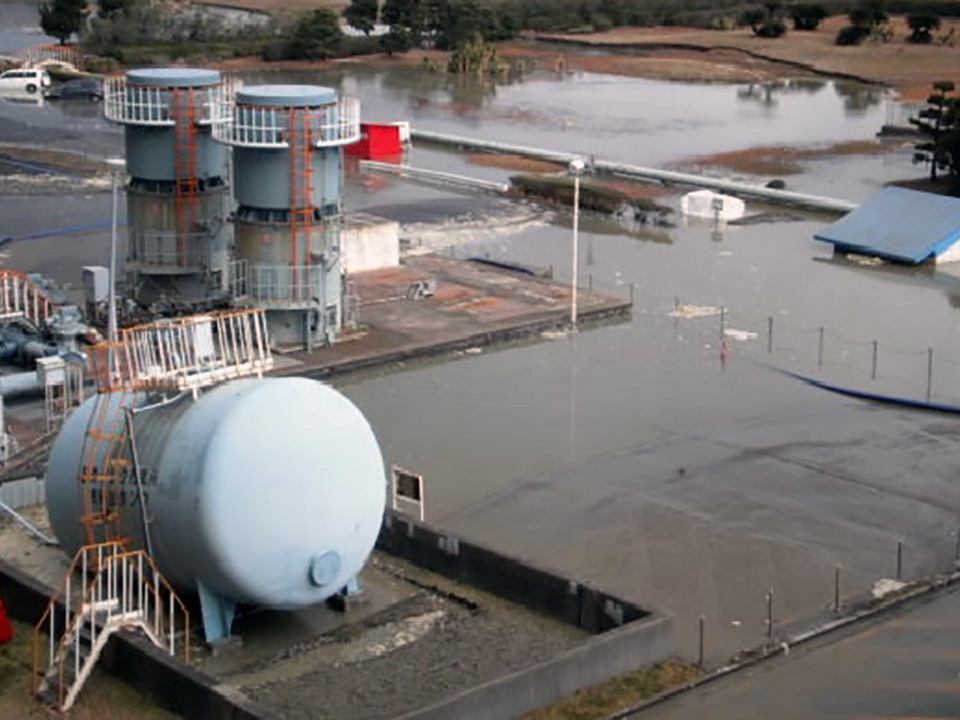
{"x": 81, "y": 88}
{"x": 28, "y": 79}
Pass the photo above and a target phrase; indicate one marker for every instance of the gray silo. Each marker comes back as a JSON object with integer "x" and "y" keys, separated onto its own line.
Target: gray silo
{"x": 287, "y": 145}
{"x": 176, "y": 250}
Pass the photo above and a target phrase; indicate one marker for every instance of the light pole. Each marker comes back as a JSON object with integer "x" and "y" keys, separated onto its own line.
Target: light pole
{"x": 575, "y": 168}
{"x": 116, "y": 167}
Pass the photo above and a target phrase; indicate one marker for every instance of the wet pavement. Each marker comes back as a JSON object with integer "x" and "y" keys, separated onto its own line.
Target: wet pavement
{"x": 903, "y": 665}
{"x": 434, "y": 305}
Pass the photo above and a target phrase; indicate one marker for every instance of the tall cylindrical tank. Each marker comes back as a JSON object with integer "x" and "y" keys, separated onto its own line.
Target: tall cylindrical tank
{"x": 262, "y": 491}
{"x": 177, "y": 245}
{"x": 287, "y": 145}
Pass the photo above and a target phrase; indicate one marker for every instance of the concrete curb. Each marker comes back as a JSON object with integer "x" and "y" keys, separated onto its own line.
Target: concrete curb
{"x": 870, "y": 610}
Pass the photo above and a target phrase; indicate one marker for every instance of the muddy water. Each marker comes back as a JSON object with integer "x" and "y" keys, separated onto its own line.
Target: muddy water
{"x": 630, "y": 455}
{"x": 629, "y": 119}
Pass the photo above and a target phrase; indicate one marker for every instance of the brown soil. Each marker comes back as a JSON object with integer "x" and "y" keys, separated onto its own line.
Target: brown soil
{"x": 414, "y": 57}
{"x": 783, "y": 160}
{"x": 909, "y": 68}
{"x": 56, "y": 160}
{"x": 620, "y": 693}
{"x": 514, "y": 162}
{"x": 637, "y": 190}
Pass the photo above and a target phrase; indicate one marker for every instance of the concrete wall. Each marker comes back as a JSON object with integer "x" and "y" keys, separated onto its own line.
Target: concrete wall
{"x": 601, "y": 658}
{"x": 369, "y": 243}
{"x": 23, "y": 493}
{"x": 129, "y": 657}
{"x": 540, "y": 590}
{"x": 629, "y": 636}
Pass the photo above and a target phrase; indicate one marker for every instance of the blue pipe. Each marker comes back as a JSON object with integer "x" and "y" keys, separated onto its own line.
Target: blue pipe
{"x": 6, "y": 160}
{"x": 873, "y": 397}
{"x": 58, "y": 231}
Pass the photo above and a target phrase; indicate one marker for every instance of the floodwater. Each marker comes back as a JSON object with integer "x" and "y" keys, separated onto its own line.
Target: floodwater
{"x": 649, "y": 457}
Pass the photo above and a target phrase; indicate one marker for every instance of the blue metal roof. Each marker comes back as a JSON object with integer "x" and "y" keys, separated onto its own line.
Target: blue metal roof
{"x": 898, "y": 224}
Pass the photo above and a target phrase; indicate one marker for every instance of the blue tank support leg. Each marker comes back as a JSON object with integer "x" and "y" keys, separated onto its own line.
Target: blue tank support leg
{"x": 218, "y": 614}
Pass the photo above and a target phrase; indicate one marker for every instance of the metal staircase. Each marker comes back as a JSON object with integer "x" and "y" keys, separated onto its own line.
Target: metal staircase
{"x": 185, "y": 115}
{"x": 302, "y": 201}
{"x": 116, "y": 590}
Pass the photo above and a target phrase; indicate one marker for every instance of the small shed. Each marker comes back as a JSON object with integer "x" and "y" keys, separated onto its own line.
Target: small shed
{"x": 901, "y": 225}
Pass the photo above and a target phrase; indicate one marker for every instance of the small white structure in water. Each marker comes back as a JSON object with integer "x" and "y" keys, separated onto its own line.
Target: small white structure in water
{"x": 710, "y": 204}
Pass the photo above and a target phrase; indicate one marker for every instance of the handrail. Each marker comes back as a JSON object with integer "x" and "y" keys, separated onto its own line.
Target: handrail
{"x": 129, "y": 590}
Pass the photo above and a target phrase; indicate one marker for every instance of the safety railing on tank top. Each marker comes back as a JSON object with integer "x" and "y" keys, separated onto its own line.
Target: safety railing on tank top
{"x": 186, "y": 353}
{"x": 268, "y": 127}
{"x": 156, "y": 106}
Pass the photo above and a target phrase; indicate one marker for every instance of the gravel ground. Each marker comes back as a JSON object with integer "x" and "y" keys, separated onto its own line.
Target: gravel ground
{"x": 442, "y": 639}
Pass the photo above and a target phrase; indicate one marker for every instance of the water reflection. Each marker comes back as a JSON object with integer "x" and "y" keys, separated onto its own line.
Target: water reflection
{"x": 21, "y": 97}
{"x": 857, "y": 97}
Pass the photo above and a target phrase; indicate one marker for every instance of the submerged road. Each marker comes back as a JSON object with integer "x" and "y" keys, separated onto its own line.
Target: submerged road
{"x": 750, "y": 190}
{"x": 906, "y": 665}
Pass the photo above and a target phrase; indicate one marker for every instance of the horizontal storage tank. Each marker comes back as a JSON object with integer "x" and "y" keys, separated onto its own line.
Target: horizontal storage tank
{"x": 264, "y": 491}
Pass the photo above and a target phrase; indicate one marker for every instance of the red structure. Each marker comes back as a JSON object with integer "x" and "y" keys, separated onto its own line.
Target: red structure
{"x": 377, "y": 142}
{"x": 6, "y": 627}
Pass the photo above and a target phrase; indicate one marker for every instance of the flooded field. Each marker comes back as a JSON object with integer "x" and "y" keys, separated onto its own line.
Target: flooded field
{"x": 661, "y": 458}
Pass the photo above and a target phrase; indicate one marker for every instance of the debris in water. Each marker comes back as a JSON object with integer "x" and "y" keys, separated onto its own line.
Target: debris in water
{"x": 865, "y": 260}
{"x": 739, "y": 335}
{"x": 694, "y": 311}
{"x": 885, "y": 586}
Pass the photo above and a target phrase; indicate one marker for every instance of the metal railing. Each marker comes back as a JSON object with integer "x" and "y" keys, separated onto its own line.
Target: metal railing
{"x": 116, "y": 589}
{"x": 186, "y": 353}
{"x": 169, "y": 249}
{"x": 268, "y": 127}
{"x": 276, "y": 285}
{"x": 155, "y": 105}
{"x": 21, "y": 297}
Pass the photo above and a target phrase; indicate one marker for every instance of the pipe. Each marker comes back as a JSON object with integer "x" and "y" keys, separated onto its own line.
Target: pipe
{"x": 814, "y": 202}
{"x": 435, "y": 175}
{"x": 16, "y": 384}
{"x": 27, "y": 524}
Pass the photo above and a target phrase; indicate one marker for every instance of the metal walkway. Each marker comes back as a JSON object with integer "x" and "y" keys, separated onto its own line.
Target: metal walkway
{"x": 785, "y": 197}
{"x": 434, "y": 176}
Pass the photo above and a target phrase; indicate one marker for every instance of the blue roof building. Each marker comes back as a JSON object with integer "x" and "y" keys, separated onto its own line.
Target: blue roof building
{"x": 901, "y": 225}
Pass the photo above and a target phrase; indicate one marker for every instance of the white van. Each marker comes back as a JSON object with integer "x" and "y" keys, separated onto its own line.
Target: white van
{"x": 29, "y": 79}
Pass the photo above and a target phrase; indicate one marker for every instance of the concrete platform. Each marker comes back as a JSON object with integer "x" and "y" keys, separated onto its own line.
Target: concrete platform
{"x": 473, "y": 306}
{"x": 425, "y": 642}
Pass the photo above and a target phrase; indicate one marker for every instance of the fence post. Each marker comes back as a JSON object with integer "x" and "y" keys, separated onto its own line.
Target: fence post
{"x": 770, "y": 614}
{"x": 956, "y": 552}
{"x": 770, "y": 334}
{"x": 873, "y": 373}
{"x": 836, "y": 589}
{"x": 700, "y": 649}
{"x": 929, "y": 372}
{"x": 723, "y": 321}
{"x": 590, "y": 282}
{"x": 899, "y": 559}
{"x": 820, "y": 349}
